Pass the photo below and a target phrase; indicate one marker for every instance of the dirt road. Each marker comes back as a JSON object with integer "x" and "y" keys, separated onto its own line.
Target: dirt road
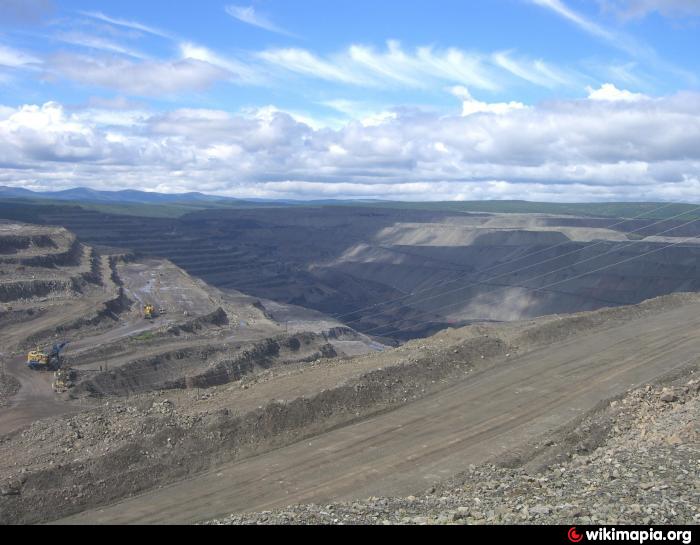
{"x": 405, "y": 450}
{"x": 34, "y": 400}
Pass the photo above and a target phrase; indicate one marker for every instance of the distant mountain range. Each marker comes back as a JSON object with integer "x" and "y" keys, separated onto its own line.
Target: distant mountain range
{"x": 132, "y": 196}
{"x": 83, "y": 194}
{"x": 134, "y": 202}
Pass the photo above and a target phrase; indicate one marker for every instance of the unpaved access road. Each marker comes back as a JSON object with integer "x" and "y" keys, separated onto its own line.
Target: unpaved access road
{"x": 34, "y": 400}
{"x": 405, "y": 450}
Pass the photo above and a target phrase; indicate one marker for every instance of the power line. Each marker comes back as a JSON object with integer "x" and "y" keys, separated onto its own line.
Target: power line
{"x": 507, "y": 262}
{"x": 543, "y": 288}
{"x": 487, "y": 281}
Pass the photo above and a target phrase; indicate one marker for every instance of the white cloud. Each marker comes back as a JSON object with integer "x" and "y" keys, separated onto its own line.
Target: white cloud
{"x": 579, "y": 20}
{"x": 419, "y": 68}
{"x": 148, "y": 78}
{"x": 308, "y": 64}
{"x": 472, "y": 106}
{"x": 365, "y": 66}
{"x": 609, "y": 92}
{"x": 567, "y": 150}
{"x": 134, "y": 25}
{"x": 537, "y": 72}
{"x": 619, "y": 40}
{"x": 95, "y": 42}
{"x": 14, "y": 58}
{"x": 248, "y": 15}
{"x": 239, "y": 71}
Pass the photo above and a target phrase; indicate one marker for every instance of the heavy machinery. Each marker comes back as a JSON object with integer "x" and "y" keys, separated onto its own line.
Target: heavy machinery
{"x": 46, "y": 361}
{"x": 63, "y": 380}
{"x": 149, "y": 312}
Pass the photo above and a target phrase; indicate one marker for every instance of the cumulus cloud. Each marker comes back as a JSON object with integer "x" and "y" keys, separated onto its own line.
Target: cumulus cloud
{"x": 472, "y": 106}
{"x": 609, "y": 92}
{"x": 568, "y": 150}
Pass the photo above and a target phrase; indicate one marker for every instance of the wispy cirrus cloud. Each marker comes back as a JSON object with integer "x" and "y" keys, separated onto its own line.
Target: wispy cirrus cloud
{"x": 134, "y": 25}
{"x": 11, "y": 57}
{"x": 146, "y": 78}
{"x": 616, "y": 39}
{"x": 619, "y": 40}
{"x": 537, "y": 72}
{"x": 240, "y": 71}
{"x": 628, "y": 9}
{"x": 306, "y": 63}
{"x": 419, "y": 68}
{"x": 248, "y": 15}
{"x": 89, "y": 41}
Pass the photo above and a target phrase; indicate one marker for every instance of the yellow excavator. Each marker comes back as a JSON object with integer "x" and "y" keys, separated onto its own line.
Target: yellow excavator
{"x": 149, "y": 312}
{"x": 46, "y": 361}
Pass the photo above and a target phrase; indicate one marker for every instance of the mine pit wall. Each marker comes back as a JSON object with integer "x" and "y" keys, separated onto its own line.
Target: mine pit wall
{"x": 146, "y": 374}
{"x": 203, "y": 367}
{"x": 29, "y": 289}
{"x": 105, "y": 316}
{"x": 71, "y": 257}
{"x": 218, "y": 318}
{"x": 68, "y": 287}
{"x": 14, "y": 316}
{"x": 12, "y": 244}
{"x": 263, "y": 355}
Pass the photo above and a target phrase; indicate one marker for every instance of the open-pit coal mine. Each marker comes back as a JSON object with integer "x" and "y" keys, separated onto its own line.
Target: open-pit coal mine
{"x": 347, "y": 364}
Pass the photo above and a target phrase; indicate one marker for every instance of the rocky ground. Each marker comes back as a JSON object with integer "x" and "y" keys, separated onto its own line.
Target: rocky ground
{"x": 9, "y": 386}
{"x": 645, "y": 470}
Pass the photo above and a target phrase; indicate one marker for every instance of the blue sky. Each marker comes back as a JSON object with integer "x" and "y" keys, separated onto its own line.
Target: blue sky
{"x": 393, "y": 99}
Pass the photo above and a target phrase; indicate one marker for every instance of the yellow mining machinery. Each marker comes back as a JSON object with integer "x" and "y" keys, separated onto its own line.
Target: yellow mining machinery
{"x": 63, "y": 380}
{"x": 46, "y": 361}
{"x": 149, "y": 312}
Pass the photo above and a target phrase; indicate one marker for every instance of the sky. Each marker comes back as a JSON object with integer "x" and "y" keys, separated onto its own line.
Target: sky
{"x": 548, "y": 100}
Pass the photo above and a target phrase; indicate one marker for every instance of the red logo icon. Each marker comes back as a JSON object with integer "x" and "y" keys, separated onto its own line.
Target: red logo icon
{"x": 574, "y": 536}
